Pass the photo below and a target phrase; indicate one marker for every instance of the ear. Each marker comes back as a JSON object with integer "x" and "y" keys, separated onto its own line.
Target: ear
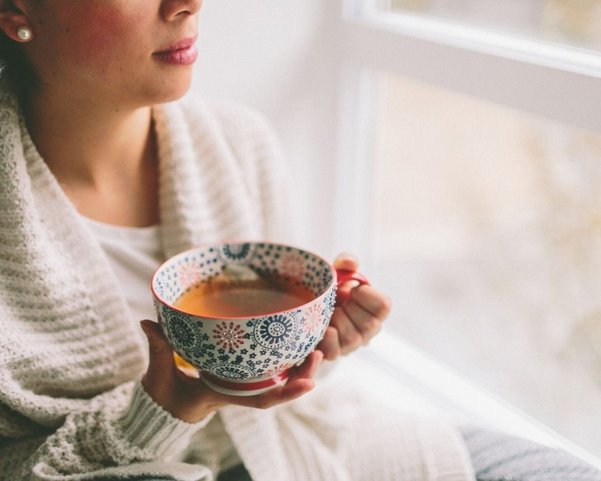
{"x": 12, "y": 16}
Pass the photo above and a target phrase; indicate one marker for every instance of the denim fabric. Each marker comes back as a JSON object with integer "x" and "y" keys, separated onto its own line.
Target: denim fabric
{"x": 500, "y": 457}
{"x": 238, "y": 473}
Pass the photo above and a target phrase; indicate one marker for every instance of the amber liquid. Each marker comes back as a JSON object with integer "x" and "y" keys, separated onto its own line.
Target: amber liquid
{"x": 185, "y": 366}
{"x": 243, "y": 298}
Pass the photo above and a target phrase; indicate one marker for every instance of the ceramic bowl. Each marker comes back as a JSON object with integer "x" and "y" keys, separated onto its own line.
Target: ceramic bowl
{"x": 246, "y": 355}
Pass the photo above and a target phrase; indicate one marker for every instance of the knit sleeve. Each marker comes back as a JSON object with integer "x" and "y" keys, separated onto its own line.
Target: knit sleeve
{"x": 121, "y": 434}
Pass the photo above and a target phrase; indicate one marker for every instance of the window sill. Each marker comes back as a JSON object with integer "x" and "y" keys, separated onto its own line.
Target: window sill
{"x": 406, "y": 379}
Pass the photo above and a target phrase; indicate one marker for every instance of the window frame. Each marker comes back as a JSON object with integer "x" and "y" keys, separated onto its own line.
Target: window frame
{"x": 519, "y": 72}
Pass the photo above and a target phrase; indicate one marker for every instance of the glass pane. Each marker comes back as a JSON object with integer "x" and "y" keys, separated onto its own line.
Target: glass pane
{"x": 577, "y": 23}
{"x": 487, "y": 232}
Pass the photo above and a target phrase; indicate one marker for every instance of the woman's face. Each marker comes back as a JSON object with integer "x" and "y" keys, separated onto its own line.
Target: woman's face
{"x": 130, "y": 52}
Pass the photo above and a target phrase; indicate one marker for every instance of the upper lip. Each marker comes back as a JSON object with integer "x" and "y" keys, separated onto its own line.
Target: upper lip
{"x": 179, "y": 45}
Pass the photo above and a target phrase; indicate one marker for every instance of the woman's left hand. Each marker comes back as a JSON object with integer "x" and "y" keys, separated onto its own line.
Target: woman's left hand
{"x": 358, "y": 319}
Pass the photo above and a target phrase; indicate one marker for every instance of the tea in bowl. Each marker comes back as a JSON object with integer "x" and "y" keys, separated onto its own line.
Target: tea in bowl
{"x": 244, "y": 313}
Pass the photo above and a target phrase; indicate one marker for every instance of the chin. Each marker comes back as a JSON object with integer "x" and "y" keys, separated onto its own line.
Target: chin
{"x": 175, "y": 95}
{"x": 168, "y": 91}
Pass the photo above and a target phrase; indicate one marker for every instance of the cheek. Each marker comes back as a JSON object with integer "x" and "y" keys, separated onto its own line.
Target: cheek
{"x": 105, "y": 40}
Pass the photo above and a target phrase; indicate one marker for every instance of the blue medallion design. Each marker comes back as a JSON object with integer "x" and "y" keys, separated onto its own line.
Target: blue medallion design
{"x": 228, "y": 371}
{"x": 236, "y": 253}
{"x": 275, "y": 331}
{"x": 179, "y": 330}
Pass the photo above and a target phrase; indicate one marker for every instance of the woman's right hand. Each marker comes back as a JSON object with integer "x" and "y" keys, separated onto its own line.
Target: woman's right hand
{"x": 190, "y": 400}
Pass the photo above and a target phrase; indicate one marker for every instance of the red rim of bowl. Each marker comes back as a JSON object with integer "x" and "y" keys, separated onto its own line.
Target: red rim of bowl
{"x": 247, "y": 385}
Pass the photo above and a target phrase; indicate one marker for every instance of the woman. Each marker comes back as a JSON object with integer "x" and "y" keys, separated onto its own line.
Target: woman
{"x": 103, "y": 176}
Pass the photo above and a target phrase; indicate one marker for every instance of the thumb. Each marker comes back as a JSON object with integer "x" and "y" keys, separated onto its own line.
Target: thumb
{"x": 159, "y": 352}
{"x": 346, "y": 261}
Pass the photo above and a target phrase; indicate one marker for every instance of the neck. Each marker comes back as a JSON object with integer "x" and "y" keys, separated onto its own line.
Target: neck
{"x": 84, "y": 142}
{"x": 104, "y": 158}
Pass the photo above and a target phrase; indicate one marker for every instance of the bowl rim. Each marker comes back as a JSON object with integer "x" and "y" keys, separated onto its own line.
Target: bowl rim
{"x": 239, "y": 318}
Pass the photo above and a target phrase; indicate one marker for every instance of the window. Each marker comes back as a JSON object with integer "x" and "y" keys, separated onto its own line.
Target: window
{"x": 470, "y": 156}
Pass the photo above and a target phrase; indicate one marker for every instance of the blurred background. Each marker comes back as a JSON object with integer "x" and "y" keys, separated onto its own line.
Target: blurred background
{"x": 455, "y": 146}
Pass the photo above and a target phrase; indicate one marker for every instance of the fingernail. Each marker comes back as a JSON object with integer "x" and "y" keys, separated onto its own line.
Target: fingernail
{"x": 346, "y": 256}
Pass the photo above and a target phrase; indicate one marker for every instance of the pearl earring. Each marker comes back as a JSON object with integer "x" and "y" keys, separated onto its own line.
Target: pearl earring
{"x": 24, "y": 33}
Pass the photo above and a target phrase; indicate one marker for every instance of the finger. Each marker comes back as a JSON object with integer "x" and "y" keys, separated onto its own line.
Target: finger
{"x": 308, "y": 368}
{"x": 349, "y": 336}
{"x": 345, "y": 288}
{"x": 300, "y": 382}
{"x": 343, "y": 292}
{"x": 371, "y": 300}
{"x": 346, "y": 261}
{"x": 330, "y": 344}
{"x": 280, "y": 395}
{"x": 366, "y": 324}
{"x": 156, "y": 339}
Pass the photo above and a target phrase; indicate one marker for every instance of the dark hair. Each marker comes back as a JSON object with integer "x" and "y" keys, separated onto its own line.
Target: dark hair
{"x": 15, "y": 68}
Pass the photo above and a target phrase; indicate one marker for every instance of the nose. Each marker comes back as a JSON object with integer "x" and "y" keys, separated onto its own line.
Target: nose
{"x": 175, "y": 9}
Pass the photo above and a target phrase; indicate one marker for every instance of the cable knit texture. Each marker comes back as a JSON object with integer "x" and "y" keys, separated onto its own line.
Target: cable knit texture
{"x": 71, "y": 405}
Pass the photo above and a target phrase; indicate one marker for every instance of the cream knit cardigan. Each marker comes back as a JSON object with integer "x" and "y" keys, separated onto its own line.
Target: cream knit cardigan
{"x": 71, "y": 405}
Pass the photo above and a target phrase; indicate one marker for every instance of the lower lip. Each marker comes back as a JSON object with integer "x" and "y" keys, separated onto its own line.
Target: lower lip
{"x": 183, "y": 56}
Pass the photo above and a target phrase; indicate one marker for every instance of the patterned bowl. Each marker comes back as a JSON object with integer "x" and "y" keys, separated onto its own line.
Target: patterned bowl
{"x": 249, "y": 355}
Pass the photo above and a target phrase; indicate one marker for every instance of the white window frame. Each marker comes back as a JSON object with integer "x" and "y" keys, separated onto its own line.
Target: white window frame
{"x": 520, "y": 73}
